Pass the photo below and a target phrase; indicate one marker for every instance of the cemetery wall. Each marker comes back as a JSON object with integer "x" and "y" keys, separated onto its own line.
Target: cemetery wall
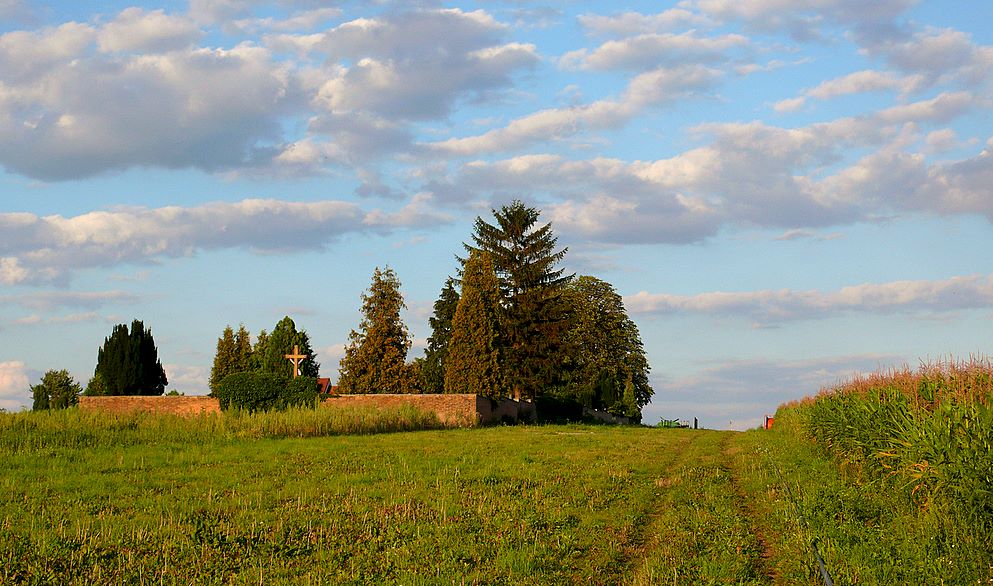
{"x": 462, "y": 410}
{"x": 182, "y": 405}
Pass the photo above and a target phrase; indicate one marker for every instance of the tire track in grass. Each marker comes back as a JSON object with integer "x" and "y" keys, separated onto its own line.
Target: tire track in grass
{"x": 762, "y": 564}
{"x": 699, "y": 532}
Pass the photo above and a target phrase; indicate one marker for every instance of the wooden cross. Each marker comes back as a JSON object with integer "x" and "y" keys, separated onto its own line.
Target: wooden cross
{"x": 296, "y": 357}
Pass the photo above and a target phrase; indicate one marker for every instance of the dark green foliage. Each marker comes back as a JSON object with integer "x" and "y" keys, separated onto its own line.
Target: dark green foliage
{"x": 432, "y": 366}
{"x": 607, "y": 367}
{"x": 57, "y": 390}
{"x": 128, "y": 362}
{"x": 259, "y": 350}
{"x": 374, "y": 360}
{"x": 96, "y": 386}
{"x": 263, "y": 391}
{"x": 473, "y": 364}
{"x": 280, "y": 343}
{"x": 224, "y": 359}
{"x": 534, "y": 317}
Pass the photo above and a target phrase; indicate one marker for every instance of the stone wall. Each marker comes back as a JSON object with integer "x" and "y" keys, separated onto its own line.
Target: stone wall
{"x": 182, "y": 405}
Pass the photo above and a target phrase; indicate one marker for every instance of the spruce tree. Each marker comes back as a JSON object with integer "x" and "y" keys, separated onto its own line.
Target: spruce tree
{"x": 432, "y": 367}
{"x": 374, "y": 360}
{"x": 473, "y": 361}
{"x": 534, "y": 315}
{"x": 128, "y": 362}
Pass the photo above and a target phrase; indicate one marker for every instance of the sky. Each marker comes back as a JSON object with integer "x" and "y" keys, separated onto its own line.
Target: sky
{"x": 785, "y": 192}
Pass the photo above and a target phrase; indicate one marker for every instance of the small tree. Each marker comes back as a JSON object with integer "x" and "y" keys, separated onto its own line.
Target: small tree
{"x": 374, "y": 360}
{"x": 57, "y": 390}
{"x": 432, "y": 366}
{"x": 128, "y": 362}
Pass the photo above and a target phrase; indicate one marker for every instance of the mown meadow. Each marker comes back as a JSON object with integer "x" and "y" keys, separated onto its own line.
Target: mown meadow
{"x": 372, "y": 497}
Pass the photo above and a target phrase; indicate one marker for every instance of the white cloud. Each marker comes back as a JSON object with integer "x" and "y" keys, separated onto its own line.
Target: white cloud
{"x": 773, "y": 306}
{"x": 49, "y": 301}
{"x": 189, "y": 380}
{"x": 653, "y": 88}
{"x": 649, "y": 51}
{"x": 134, "y": 29}
{"x": 67, "y": 111}
{"x": 865, "y": 81}
{"x": 415, "y": 65}
{"x": 14, "y": 385}
{"x": 54, "y": 245}
{"x": 628, "y": 24}
{"x": 804, "y": 19}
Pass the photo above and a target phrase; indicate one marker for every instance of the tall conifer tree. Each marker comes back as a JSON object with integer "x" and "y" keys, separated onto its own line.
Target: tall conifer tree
{"x": 375, "y": 358}
{"x": 473, "y": 363}
{"x": 534, "y": 315}
{"x": 432, "y": 367}
{"x": 225, "y": 359}
{"x": 128, "y": 362}
{"x": 280, "y": 343}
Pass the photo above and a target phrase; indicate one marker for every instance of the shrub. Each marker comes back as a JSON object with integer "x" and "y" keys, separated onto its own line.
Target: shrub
{"x": 261, "y": 391}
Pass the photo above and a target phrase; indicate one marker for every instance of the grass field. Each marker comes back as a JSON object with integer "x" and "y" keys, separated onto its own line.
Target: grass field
{"x": 505, "y": 505}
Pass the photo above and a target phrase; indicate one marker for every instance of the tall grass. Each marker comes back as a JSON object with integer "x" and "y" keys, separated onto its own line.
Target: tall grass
{"x": 927, "y": 432}
{"x": 73, "y": 428}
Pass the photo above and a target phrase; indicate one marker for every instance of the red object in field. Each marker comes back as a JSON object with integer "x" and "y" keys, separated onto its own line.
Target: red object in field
{"x": 768, "y": 422}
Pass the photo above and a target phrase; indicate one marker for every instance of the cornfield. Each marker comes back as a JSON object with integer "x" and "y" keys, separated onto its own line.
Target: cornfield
{"x": 928, "y": 432}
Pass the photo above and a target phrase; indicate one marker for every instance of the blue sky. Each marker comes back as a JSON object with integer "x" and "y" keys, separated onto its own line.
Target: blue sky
{"x": 785, "y": 192}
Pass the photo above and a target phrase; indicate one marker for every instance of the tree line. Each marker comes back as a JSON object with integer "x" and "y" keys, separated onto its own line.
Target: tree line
{"x": 510, "y": 323}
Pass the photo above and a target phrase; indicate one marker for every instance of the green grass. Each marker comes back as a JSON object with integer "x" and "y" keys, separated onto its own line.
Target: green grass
{"x": 217, "y": 501}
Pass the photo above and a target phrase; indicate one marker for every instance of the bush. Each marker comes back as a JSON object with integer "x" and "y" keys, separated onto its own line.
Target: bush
{"x": 262, "y": 391}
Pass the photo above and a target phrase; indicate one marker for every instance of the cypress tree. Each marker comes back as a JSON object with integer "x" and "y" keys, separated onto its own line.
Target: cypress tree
{"x": 225, "y": 359}
{"x": 473, "y": 362}
{"x": 243, "y": 349}
{"x": 432, "y": 367}
{"x": 280, "y": 343}
{"x": 534, "y": 316}
{"x": 128, "y": 362}
{"x": 374, "y": 360}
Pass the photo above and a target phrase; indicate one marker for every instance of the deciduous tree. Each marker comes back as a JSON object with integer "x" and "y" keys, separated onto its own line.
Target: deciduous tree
{"x": 473, "y": 364}
{"x": 607, "y": 364}
{"x": 57, "y": 390}
{"x": 374, "y": 360}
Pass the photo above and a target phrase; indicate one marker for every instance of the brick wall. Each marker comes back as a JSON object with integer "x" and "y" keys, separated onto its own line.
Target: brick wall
{"x": 452, "y": 410}
{"x": 185, "y": 406}
{"x": 461, "y": 410}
